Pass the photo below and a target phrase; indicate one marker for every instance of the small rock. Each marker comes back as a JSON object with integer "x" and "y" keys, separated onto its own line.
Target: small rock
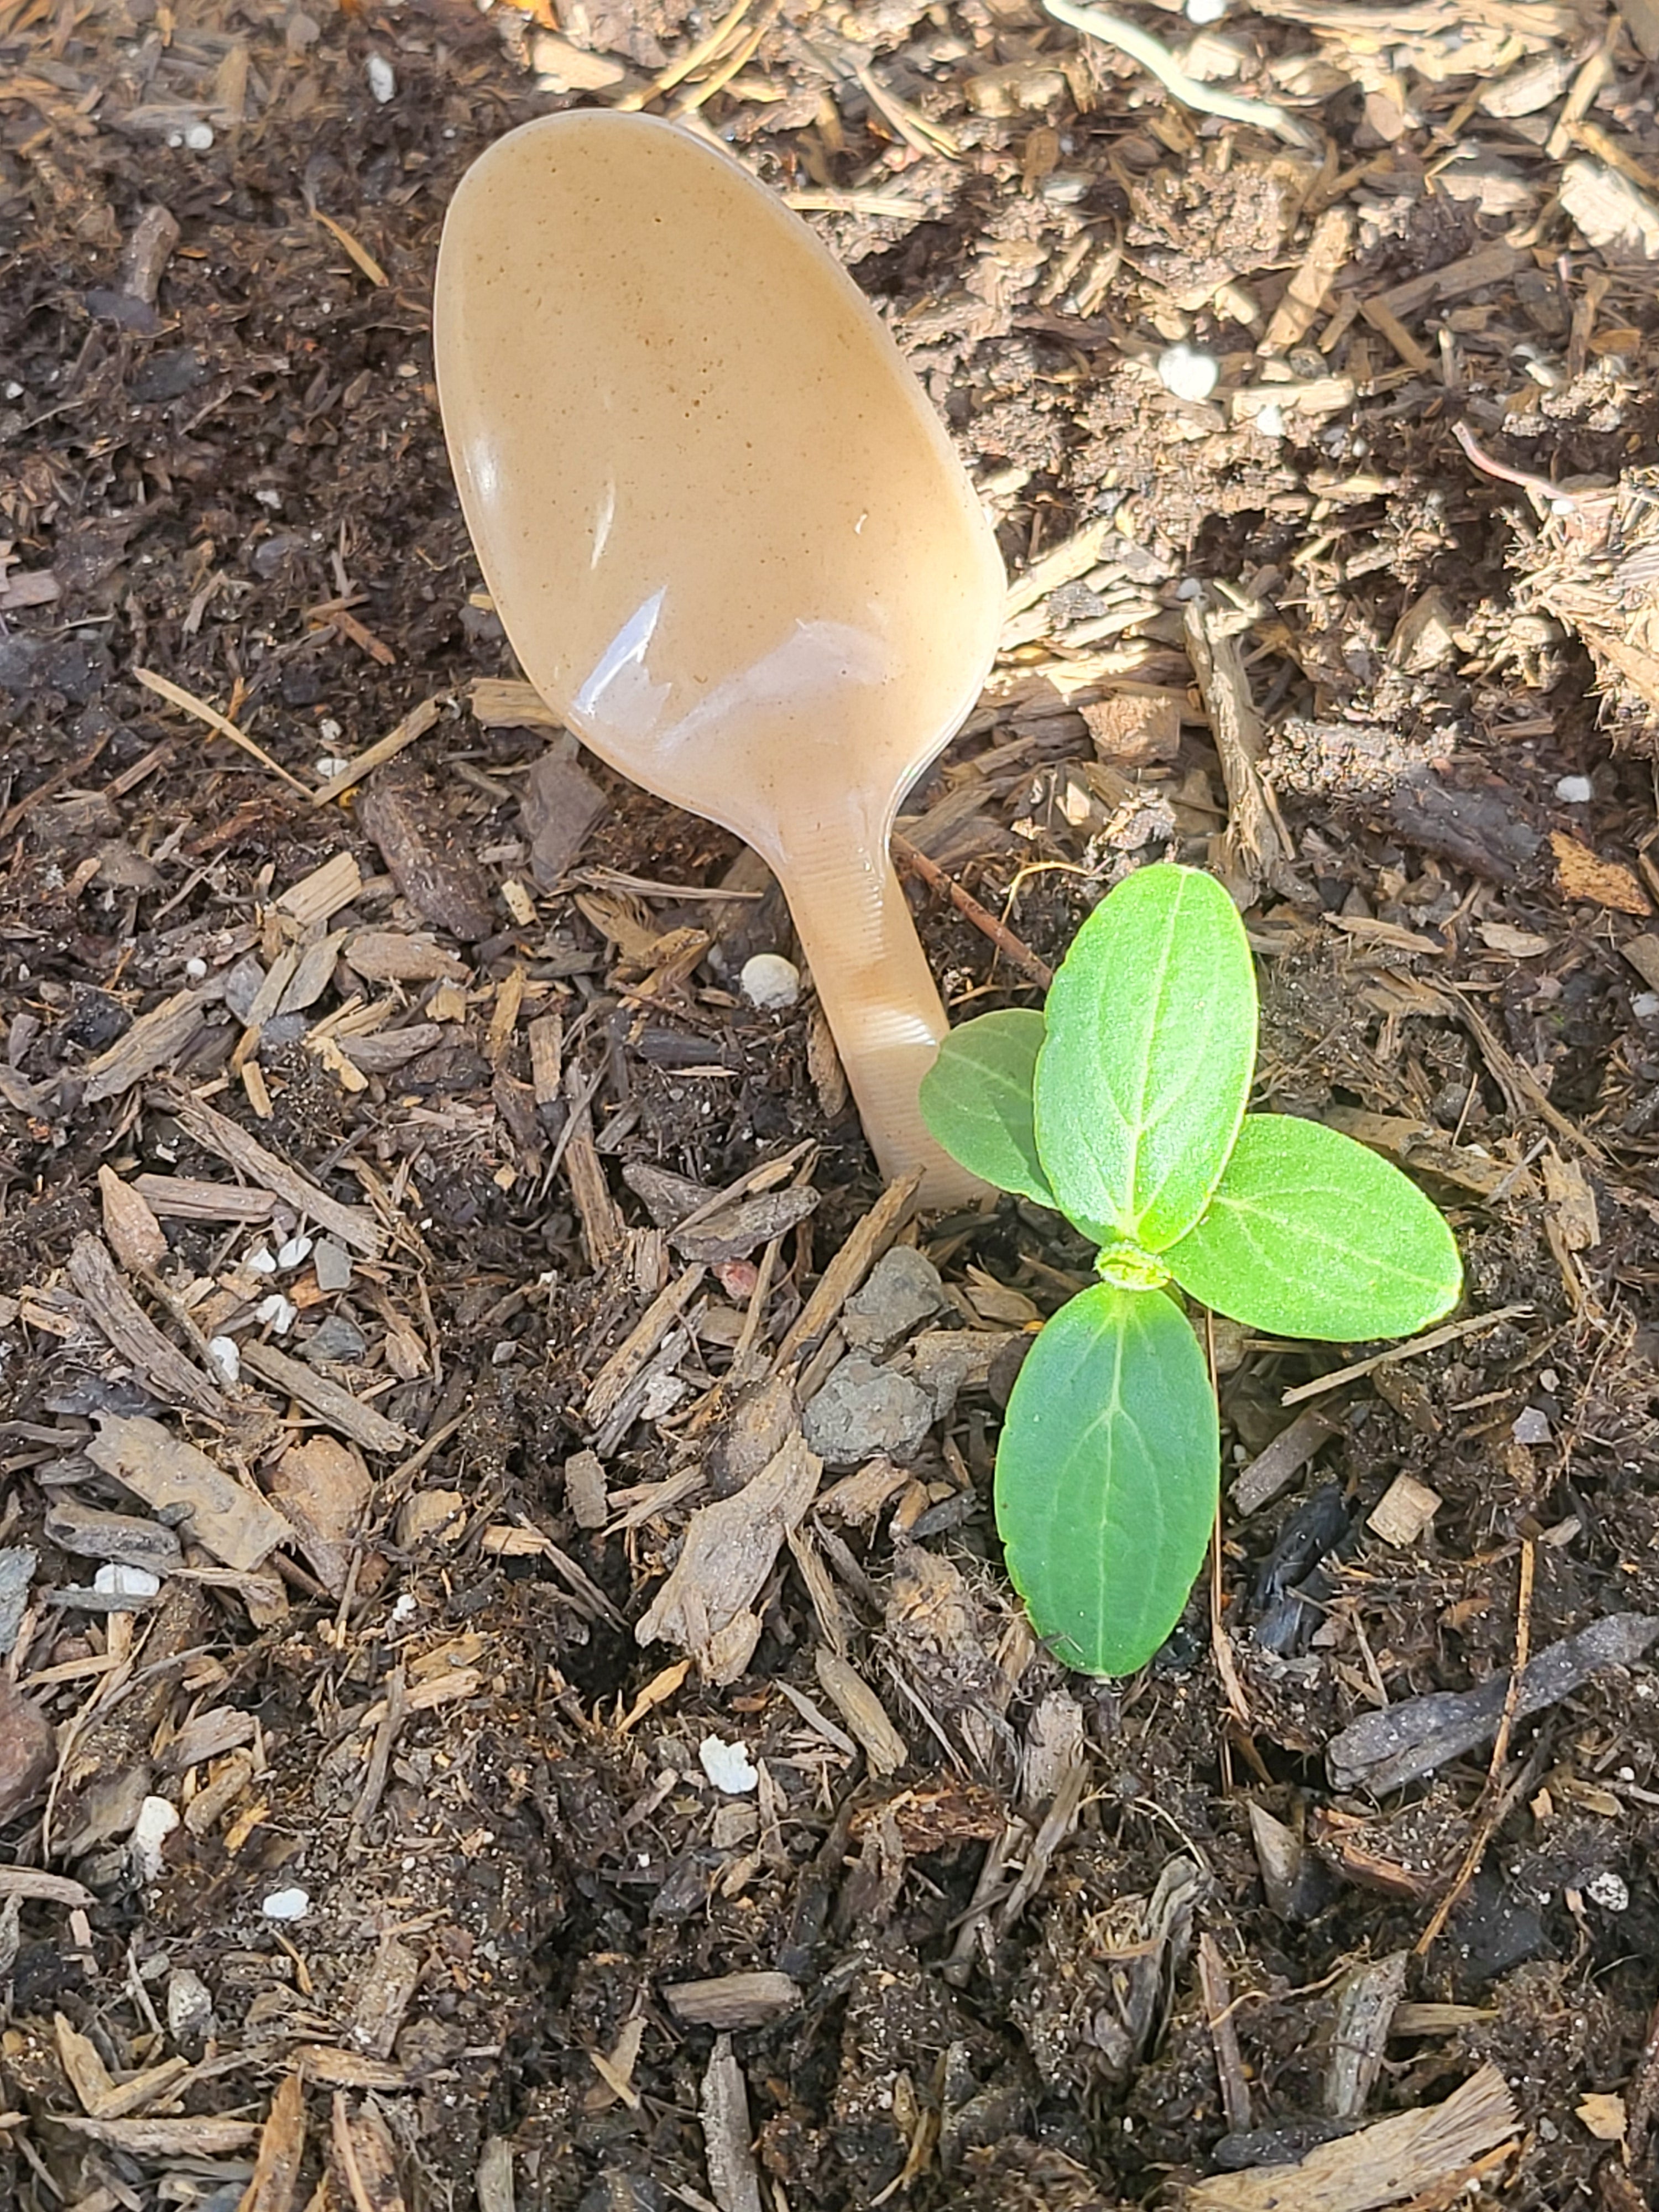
{"x": 1608, "y": 1890}
{"x": 337, "y": 1341}
{"x": 769, "y": 981}
{"x": 1576, "y": 790}
{"x": 1530, "y": 1426}
{"x": 295, "y": 1252}
{"x": 430, "y": 1513}
{"x": 901, "y": 1292}
{"x": 137, "y": 1583}
{"x": 728, "y": 1767}
{"x": 947, "y": 1361}
{"x": 286, "y": 1905}
{"x": 200, "y": 138}
{"x": 1186, "y": 373}
{"x": 17, "y": 1565}
{"x": 381, "y": 81}
{"x": 28, "y": 1752}
{"x": 224, "y": 1357}
{"x": 864, "y": 1410}
{"x": 276, "y": 1313}
{"x": 157, "y": 1818}
{"x": 333, "y": 1265}
{"x": 190, "y": 2007}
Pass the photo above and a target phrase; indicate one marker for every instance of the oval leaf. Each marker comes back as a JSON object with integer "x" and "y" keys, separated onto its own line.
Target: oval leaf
{"x": 976, "y": 1099}
{"x": 1107, "y": 1477}
{"x": 1145, "y": 1066}
{"x": 1311, "y": 1235}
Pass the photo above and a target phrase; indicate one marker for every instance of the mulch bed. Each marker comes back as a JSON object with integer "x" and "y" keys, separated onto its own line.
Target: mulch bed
{"x": 509, "y": 1694}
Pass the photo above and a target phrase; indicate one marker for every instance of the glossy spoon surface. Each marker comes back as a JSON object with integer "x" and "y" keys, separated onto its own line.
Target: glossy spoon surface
{"x": 727, "y": 537}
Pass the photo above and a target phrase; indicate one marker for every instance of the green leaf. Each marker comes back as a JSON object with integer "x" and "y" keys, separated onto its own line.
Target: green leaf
{"x": 1311, "y": 1235}
{"x": 1107, "y": 1477}
{"x": 976, "y": 1099}
{"x": 1146, "y": 1067}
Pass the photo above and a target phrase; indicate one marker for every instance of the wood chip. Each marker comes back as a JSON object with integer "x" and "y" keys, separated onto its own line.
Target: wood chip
{"x": 1399, "y": 1744}
{"x": 1381, "y": 2165}
{"x": 727, "y": 1554}
{"x": 136, "y": 1238}
{"x": 322, "y": 893}
{"x": 352, "y": 1225}
{"x": 323, "y": 1489}
{"x": 383, "y": 1995}
{"x": 733, "y": 2001}
{"x": 186, "y": 1198}
{"x": 274, "y": 2187}
{"x": 327, "y": 1401}
{"x": 415, "y": 723}
{"x": 164, "y": 2138}
{"x": 1280, "y": 1463}
{"x": 238, "y": 1526}
{"x": 1582, "y": 874}
{"x": 1404, "y": 1511}
{"x": 847, "y": 1270}
{"x": 133, "y": 1334}
{"x": 585, "y": 1490}
{"x": 154, "y": 1041}
{"x": 632, "y": 1354}
{"x": 883, "y": 1747}
{"x": 1366, "y": 2000}
{"x": 733, "y": 2176}
{"x": 1323, "y": 258}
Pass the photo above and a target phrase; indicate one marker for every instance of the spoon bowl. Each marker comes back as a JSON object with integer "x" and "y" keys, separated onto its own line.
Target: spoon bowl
{"x": 725, "y": 533}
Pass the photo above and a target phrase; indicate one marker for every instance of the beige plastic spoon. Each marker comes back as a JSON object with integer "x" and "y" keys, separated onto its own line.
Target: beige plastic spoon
{"x": 727, "y": 537}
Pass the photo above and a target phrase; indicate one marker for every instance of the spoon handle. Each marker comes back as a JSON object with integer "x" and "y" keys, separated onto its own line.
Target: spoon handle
{"x": 882, "y": 1007}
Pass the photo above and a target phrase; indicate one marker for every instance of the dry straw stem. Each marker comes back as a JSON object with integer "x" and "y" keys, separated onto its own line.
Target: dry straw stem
{"x": 176, "y": 695}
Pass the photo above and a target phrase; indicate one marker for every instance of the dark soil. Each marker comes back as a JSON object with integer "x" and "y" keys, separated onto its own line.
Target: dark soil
{"x": 446, "y": 1731}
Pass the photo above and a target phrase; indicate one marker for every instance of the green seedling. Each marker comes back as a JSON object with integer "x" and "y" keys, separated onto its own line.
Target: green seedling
{"x": 1121, "y": 1105}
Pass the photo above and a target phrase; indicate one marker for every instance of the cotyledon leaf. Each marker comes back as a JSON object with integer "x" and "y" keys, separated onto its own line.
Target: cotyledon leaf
{"x": 1311, "y": 1235}
{"x": 976, "y": 1099}
{"x": 1107, "y": 1476}
{"x": 1146, "y": 1060}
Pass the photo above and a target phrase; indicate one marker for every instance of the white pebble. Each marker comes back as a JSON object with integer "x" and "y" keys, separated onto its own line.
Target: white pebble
{"x": 769, "y": 981}
{"x": 268, "y": 495}
{"x": 295, "y": 1252}
{"x": 200, "y": 138}
{"x": 381, "y": 82}
{"x": 286, "y": 1905}
{"x": 224, "y": 1359}
{"x": 117, "y": 1581}
{"x": 1188, "y": 373}
{"x": 1646, "y": 1005}
{"x": 260, "y": 1261}
{"x": 276, "y": 1313}
{"x": 1576, "y": 790}
{"x": 195, "y": 968}
{"x": 157, "y": 1818}
{"x": 1206, "y": 11}
{"x": 1609, "y": 1891}
{"x": 1270, "y": 421}
{"x": 328, "y": 767}
{"x": 728, "y": 1767}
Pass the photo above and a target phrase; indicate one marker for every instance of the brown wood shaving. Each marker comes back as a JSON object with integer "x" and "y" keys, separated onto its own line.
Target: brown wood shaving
{"x": 352, "y": 1225}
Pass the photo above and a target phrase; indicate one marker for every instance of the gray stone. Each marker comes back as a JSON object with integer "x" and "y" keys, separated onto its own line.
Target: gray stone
{"x": 17, "y": 1565}
{"x": 945, "y": 1361}
{"x": 864, "y": 1410}
{"x": 901, "y": 1292}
